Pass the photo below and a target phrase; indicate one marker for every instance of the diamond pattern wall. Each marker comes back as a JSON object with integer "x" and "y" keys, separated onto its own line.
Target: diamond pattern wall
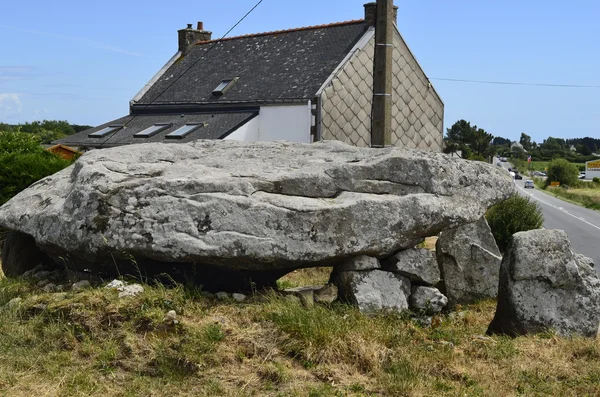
{"x": 417, "y": 110}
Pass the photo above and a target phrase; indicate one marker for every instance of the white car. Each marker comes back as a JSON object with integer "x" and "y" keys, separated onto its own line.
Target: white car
{"x": 529, "y": 184}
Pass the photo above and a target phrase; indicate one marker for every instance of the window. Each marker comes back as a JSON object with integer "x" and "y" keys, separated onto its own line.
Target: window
{"x": 151, "y": 131}
{"x": 184, "y": 131}
{"x": 224, "y": 87}
{"x": 105, "y": 131}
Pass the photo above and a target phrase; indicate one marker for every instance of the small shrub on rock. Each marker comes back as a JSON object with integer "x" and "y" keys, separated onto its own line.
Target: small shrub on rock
{"x": 517, "y": 214}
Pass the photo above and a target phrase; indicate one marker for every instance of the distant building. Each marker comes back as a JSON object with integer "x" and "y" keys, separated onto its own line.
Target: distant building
{"x": 517, "y": 145}
{"x": 592, "y": 169}
{"x": 301, "y": 85}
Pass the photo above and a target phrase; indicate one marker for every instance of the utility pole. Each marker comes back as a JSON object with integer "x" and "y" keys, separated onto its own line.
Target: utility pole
{"x": 381, "y": 116}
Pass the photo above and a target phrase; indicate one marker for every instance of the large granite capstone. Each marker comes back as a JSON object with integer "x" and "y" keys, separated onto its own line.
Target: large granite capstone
{"x": 263, "y": 208}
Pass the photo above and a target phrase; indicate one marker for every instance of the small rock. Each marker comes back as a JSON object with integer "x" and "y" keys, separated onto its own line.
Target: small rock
{"x": 14, "y": 302}
{"x": 222, "y": 296}
{"x": 427, "y": 299}
{"x": 41, "y": 274}
{"x": 42, "y": 283}
{"x": 130, "y": 290}
{"x": 307, "y": 297}
{"x": 30, "y": 273}
{"x": 50, "y": 287}
{"x": 171, "y": 317}
{"x": 326, "y": 294}
{"x": 115, "y": 284}
{"x": 239, "y": 297}
{"x": 358, "y": 263}
{"x": 81, "y": 285}
{"x": 305, "y": 294}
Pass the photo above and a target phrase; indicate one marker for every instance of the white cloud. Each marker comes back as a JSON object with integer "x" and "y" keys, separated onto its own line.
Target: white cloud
{"x": 10, "y": 106}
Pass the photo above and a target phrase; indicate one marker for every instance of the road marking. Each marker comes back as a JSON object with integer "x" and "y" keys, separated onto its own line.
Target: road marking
{"x": 561, "y": 209}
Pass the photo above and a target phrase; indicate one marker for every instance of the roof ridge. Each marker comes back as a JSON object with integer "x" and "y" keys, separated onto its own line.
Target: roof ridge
{"x": 329, "y": 25}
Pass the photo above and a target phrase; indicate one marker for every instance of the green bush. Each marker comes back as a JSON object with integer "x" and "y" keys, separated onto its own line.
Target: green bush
{"x": 23, "y": 161}
{"x": 596, "y": 180}
{"x": 517, "y": 214}
{"x": 560, "y": 170}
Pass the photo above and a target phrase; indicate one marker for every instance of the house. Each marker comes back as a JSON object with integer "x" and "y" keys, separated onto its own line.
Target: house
{"x": 66, "y": 152}
{"x": 302, "y": 85}
{"x": 516, "y": 145}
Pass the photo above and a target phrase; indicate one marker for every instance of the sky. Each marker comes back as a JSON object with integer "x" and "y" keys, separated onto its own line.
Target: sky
{"x": 83, "y": 61}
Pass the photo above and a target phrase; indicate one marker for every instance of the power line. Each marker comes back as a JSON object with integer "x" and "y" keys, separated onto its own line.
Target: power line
{"x": 203, "y": 55}
{"x": 192, "y": 65}
{"x": 516, "y": 83}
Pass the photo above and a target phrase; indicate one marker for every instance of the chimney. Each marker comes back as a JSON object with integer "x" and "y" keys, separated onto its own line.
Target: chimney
{"x": 381, "y": 113}
{"x": 371, "y": 14}
{"x": 190, "y": 36}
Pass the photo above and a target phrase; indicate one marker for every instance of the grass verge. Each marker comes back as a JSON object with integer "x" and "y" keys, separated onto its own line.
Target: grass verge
{"x": 92, "y": 343}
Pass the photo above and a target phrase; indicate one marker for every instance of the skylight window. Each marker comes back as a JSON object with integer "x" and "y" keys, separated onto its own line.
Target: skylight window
{"x": 151, "y": 131}
{"x": 105, "y": 131}
{"x": 224, "y": 87}
{"x": 182, "y": 132}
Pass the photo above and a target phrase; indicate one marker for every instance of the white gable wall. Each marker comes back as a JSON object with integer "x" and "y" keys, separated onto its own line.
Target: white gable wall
{"x": 247, "y": 132}
{"x": 276, "y": 123}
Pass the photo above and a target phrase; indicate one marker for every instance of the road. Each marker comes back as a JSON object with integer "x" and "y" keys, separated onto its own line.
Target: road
{"x": 581, "y": 224}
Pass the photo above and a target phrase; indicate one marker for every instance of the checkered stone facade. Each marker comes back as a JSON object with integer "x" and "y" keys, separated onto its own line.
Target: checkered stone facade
{"x": 417, "y": 110}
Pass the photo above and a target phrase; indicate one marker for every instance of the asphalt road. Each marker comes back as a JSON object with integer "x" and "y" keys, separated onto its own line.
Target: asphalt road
{"x": 581, "y": 224}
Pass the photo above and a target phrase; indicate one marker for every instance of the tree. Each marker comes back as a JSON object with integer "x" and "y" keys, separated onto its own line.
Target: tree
{"x": 562, "y": 171}
{"x": 499, "y": 141}
{"x": 469, "y": 139}
{"x": 23, "y": 161}
{"x": 525, "y": 141}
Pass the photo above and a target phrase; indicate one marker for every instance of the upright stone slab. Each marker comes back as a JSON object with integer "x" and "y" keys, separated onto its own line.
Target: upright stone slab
{"x": 544, "y": 285}
{"x": 417, "y": 264}
{"x": 469, "y": 262}
{"x": 374, "y": 290}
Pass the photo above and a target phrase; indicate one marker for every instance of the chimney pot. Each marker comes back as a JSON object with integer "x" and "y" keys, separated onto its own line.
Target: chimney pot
{"x": 190, "y": 36}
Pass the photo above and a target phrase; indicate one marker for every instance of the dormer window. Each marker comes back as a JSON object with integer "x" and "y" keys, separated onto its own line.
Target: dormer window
{"x": 151, "y": 131}
{"x": 105, "y": 131}
{"x": 184, "y": 131}
{"x": 223, "y": 87}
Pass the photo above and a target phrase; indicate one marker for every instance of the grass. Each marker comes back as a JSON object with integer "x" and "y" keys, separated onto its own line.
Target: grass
{"x": 586, "y": 194}
{"x": 92, "y": 343}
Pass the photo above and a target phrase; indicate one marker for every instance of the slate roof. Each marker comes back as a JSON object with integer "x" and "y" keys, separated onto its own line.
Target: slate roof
{"x": 216, "y": 126}
{"x": 282, "y": 66}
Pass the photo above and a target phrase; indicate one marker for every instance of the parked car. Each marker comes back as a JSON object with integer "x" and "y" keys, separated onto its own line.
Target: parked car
{"x": 518, "y": 176}
{"x": 499, "y": 164}
{"x": 529, "y": 184}
{"x": 582, "y": 175}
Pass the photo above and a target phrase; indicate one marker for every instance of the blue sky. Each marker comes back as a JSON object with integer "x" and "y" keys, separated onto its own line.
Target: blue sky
{"x": 83, "y": 61}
